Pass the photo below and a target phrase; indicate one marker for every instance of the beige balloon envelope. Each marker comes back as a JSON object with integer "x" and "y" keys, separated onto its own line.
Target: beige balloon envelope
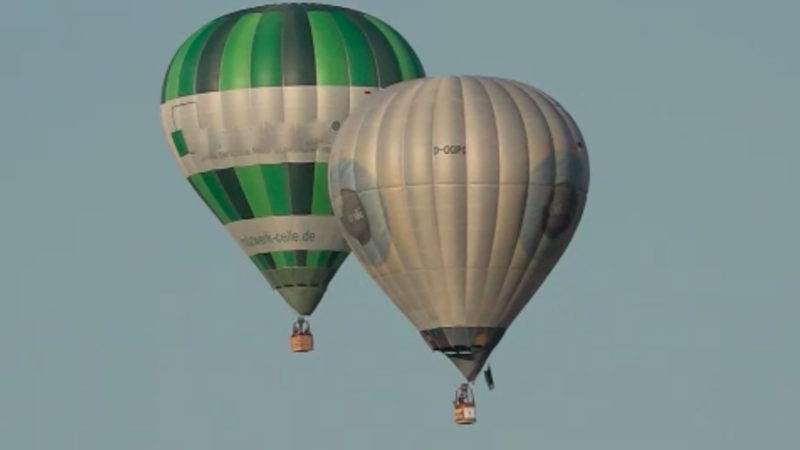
{"x": 458, "y": 195}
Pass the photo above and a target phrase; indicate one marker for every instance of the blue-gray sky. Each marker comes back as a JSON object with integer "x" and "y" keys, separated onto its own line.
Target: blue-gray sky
{"x": 130, "y": 320}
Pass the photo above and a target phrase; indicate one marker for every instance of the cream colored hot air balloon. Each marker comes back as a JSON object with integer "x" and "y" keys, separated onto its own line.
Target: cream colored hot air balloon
{"x": 458, "y": 195}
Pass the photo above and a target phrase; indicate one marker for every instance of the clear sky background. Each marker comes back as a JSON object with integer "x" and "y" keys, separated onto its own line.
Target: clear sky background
{"x": 130, "y": 320}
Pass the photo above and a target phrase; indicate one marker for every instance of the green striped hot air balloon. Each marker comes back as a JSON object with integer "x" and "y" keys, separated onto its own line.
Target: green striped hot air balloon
{"x": 251, "y": 103}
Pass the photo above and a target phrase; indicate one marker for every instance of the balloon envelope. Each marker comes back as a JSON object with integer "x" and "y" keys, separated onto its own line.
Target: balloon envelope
{"x": 458, "y": 195}
{"x": 250, "y": 105}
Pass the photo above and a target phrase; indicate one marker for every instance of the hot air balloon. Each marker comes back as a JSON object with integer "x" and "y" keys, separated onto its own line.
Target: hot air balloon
{"x": 458, "y": 195}
{"x": 250, "y": 105}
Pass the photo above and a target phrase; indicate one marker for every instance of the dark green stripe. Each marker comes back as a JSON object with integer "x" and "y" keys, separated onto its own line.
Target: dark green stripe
{"x": 264, "y": 261}
{"x": 230, "y": 184}
{"x": 337, "y": 259}
{"x": 180, "y": 142}
{"x": 193, "y": 54}
{"x": 277, "y": 182}
{"x": 327, "y": 259}
{"x": 202, "y": 189}
{"x": 236, "y": 57}
{"x": 330, "y": 58}
{"x": 258, "y": 260}
{"x": 218, "y": 192}
{"x": 406, "y": 59}
{"x": 385, "y": 60}
{"x": 297, "y": 49}
{"x": 301, "y": 182}
{"x": 359, "y": 56}
{"x": 251, "y": 178}
{"x": 268, "y": 261}
{"x": 208, "y": 68}
{"x": 300, "y": 257}
{"x": 321, "y": 203}
{"x": 266, "y": 57}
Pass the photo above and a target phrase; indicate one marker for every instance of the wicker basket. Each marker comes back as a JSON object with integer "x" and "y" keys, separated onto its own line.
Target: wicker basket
{"x": 301, "y": 343}
{"x": 464, "y": 413}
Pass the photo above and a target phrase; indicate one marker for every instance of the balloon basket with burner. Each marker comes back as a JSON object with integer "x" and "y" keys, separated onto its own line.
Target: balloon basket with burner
{"x": 301, "y": 340}
{"x": 464, "y": 406}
